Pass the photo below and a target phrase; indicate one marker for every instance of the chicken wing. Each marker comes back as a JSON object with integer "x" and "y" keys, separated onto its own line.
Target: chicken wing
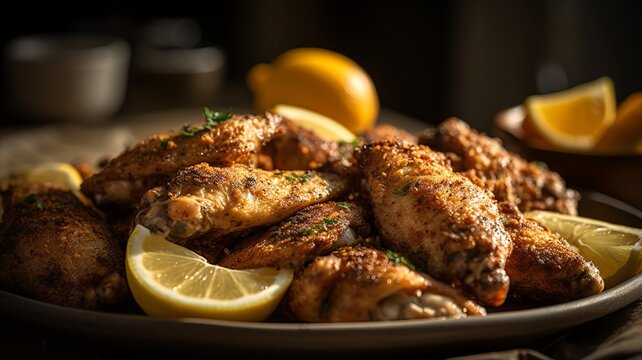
{"x": 236, "y": 140}
{"x": 438, "y": 218}
{"x": 530, "y": 186}
{"x": 205, "y": 199}
{"x": 53, "y": 248}
{"x": 387, "y": 132}
{"x": 363, "y": 284}
{"x": 313, "y": 231}
{"x": 544, "y": 266}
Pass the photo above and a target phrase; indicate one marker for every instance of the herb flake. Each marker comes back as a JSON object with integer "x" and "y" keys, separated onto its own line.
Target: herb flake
{"x": 402, "y": 190}
{"x": 329, "y": 221}
{"x": 344, "y": 205}
{"x": 212, "y": 118}
{"x": 398, "y": 259}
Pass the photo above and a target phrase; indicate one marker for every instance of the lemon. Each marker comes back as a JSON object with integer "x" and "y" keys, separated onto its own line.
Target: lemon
{"x": 320, "y": 80}
{"x": 323, "y": 126}
{"x": 169, "y": 280}
{"x": 625, "y": 135}
{"x": 60, "y": 174}
{"x": 573, "y": 119}
{"x": 616, "y": 250}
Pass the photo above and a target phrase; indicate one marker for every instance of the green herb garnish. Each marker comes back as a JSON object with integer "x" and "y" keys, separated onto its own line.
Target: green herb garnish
{"x": 212, "y": 118}
{"x": 275, "y": 233}
{"x": 164, "y": 143}
{"x": 403, "y": 190}
{"x": 540, "y": 164}
{"x": 343, "y": 205}
{"x": 398, "y": 259}
{"x": 354, "y": 142}
{"x": 305, "y": 232}
{"x": 329, "y": 221}
{"x": 293, "y": 177}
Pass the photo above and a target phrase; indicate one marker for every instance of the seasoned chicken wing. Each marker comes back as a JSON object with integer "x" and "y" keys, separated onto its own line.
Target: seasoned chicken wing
{"x": 387, "y": 132}
{"x": 438, "y": 218}
{"x": 237, "y": 140}
{"x": 313, "y": 231}
{"x": 544, "y": 266}
{"x": 55, "y": 249}
{"x": 364, "y": 284}
{"x": 530, "y": 186}
{"x": 205, "y": 199}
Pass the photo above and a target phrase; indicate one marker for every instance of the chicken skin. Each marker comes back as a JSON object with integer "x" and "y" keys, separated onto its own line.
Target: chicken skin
{"x": 218, "y": 201}
{"x": 365, "y": 284}
{"x": 313, "y": 231}
{"x": 544, "y": 266}
{"x": 237, "y": 140}
{"x": 530, "y": 186}
{"x": 55, "y": 249}
{"x": 438, "y": 218}
{"x": 387, "y": 132}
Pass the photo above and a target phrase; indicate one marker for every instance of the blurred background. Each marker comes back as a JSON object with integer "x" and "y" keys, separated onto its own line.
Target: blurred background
{"x": 428, "y": 59}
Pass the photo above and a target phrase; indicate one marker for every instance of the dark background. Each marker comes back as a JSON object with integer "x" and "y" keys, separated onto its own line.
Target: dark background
{"x": 428, "y": 59}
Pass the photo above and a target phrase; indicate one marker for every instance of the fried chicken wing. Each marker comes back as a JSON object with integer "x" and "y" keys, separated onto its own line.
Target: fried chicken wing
{"x": 364, "y": 284}
{"x": 438, "y": 218}
{"x": 53, "y": 248}
{"x": 387, "y": 132}
{"x": 511, "y": 178}
{"x": 544, "y": 266}
{"x": 205, "y": 199}
{"x": 237, "y": 140}
{"x": 313, "y": 231}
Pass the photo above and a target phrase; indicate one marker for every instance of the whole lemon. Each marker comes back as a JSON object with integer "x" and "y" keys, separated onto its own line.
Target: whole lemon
{"x": 320, "y": 80}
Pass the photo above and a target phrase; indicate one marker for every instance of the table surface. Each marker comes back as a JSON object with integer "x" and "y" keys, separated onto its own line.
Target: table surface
{"x": 618, "y": 333}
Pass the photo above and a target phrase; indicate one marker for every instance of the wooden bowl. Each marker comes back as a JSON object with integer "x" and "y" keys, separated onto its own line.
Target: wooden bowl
{"x": 619, "y": 176}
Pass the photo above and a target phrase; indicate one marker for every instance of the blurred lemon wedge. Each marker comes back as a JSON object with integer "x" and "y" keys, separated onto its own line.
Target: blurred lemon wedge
{"x": 323, "y": 126}
{"x": 320, "y": 80}
{"x": 625, "y": 135}
{"x": 616, "y": 250}
{"x": 60, "y": 174}
{"x": 169, "y": 280}
{"x": 573, "y": 119}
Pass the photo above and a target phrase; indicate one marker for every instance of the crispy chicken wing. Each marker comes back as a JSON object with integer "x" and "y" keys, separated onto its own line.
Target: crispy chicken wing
{"x": 363, "y": 284}
{"x": 530, "y": 186}
{"x": 438, "y": 218}
{"x": 313, "y": 231}
{"x": 55, "y": 249}
{"x": 204, "y": 199}
{"x": 237, "y": 140}
{"x": 387, "y": 132}
{"x": 544, "y": 266}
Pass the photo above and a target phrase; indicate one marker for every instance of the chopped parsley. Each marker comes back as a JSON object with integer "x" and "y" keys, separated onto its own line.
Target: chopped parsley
{"x": 343, "y": 205}
{"x": 398, "y": 259}
{"x": 402, "y": 190}
{"x": 212, "y": 118}
{"x": 164, "y": 143}
{"x": 305, "y": 232}
{"x": 275, "y": 233}
{"x": 329, "y": 221}
{"x": 539, "y": 164}
{"x": 293, "y": 177}
{"x": 354, "y": 142}
{"x": 279, "y": 173}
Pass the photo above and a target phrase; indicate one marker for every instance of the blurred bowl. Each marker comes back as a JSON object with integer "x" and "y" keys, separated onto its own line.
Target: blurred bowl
{"x": 71, "y": 78}
{"x": 616, "y": 175}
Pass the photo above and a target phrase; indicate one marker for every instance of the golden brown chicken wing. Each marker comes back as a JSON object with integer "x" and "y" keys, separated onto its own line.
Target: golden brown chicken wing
{"x": 204, "y": 199}
{"x": 544, "y": 266}
{"x": 530, "y": 186}
{"x": 363, "y": 284}
{"x": 237, "y": 140}
{"x": 53, "y": 248}
{"x": 438, "y": 218}
{"x": 313, "y": 231}
{"x": 387, "y": 132}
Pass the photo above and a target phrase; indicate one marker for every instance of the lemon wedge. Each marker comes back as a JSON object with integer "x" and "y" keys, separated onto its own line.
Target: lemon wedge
{"x": 169, "y": 280}
{"x": 323, "y": 81}
{"x": 60, "y": 174}
{"x": 616, "y": 250}
{"x": 625, "y": 135}
{"x": 573, "y": 119}
{"x": 323, "y": 126}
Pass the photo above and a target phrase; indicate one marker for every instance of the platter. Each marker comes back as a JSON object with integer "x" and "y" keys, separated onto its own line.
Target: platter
{"x": 505, "y": 327}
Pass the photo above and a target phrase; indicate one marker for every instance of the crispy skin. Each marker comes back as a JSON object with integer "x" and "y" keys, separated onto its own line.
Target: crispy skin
{"x": 437, "y": 217}
{"x": 511, "y": 178}
{"x": 237, "y": 140}
{"x": 55, "y": 249}
{"x": 313, "y": 231}
{"x": 300, "y": 149}
{"x": 203, "y": 199}
{"x": 387, "y": 132}
{"x": 364, "y": 284}
{"x": 544, "y": 266}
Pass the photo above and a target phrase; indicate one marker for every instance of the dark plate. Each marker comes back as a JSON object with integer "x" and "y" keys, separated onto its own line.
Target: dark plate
{"x": 508, "y": 327}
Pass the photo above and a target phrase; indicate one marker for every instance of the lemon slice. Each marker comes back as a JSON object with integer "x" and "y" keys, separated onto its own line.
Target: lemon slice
{"x": 60, "y": 174}
{"x": 169, "y": 280}
{"x": 616, "y": 250}
{"x": 625, "y": 135}
{"x": 573, "y": 119}
{"x": 325, "y": 127}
